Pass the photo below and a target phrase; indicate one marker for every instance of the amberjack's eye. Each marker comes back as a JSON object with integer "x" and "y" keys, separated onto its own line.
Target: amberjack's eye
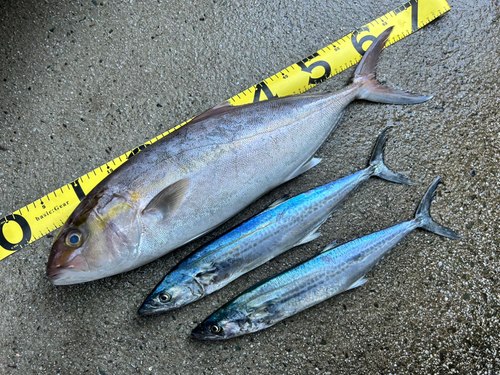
{"x": 214, "y": 328}
{"x": 74, "y": 238}
{"x": 165, "y": 297}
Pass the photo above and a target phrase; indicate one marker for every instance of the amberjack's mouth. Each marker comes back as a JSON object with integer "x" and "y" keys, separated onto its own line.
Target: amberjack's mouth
{"x": 69, "y": 272}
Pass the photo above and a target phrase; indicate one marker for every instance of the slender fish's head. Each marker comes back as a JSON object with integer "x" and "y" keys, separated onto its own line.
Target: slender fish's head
{"x": 176, "y": 290}
{"x": 96, "y": 240}
{"x": 224, "y": 324}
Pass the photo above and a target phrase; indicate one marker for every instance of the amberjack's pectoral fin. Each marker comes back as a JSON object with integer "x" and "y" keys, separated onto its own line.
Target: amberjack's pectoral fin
{"x": 168, "y": 200}
{"x": 304, "y": 167}
{"x": 358, "y": 283}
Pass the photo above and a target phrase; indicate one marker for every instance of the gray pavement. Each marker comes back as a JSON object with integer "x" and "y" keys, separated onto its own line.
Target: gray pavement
{"x": 83, "y": 82}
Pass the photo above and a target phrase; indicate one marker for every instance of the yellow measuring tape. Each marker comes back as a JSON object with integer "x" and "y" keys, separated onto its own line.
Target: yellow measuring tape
{"x": 50, "y": 212}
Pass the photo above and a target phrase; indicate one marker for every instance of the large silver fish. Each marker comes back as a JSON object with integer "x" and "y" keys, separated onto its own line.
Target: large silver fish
{"x": 287, "y": 223}
{"x": 201, "y": 175}
{"x": 333, "y": 271}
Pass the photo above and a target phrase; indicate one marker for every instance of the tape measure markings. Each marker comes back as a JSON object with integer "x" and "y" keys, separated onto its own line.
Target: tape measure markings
{"x": 332, "y": 59}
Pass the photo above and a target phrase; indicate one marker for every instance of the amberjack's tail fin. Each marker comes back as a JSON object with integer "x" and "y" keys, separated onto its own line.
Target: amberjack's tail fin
{"x": 423, "y": 215}
{"x": 378, "y": 166}
{"x": 373, "y": 91}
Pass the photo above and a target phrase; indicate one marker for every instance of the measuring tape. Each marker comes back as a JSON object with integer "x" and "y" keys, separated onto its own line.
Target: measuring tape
{"x": 50, "y": 212}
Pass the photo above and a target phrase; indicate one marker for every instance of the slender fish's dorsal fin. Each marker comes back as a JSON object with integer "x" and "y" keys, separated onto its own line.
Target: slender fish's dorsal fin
{"x": 276, "y": 203}
{"x": 304, "y": 167}
{"x": 331, "y": 246}
{"x": 358, "y": 283}
{"x": 169, "y": 199}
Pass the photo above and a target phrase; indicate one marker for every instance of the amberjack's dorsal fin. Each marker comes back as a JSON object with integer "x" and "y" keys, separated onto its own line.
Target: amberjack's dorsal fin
{"x": 223, "y": 107}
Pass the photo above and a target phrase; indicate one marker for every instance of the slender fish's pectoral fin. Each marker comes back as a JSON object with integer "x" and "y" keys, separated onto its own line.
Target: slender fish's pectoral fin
{"x": 373, "y": 91}
{"x": 206, "y": 277}
{"x": 304, "y": 167}
{"x": 168, "y": 200}
{"x": 265, "y": 309}
{"x": 207, "y": 273}
{"x": 358, "y": 283}
{"x": 378, "y": 166}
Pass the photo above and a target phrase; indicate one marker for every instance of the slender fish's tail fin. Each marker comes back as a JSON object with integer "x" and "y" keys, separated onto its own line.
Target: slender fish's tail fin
{"x": 423, "y": 215}
{"x": 378, "y": 166}
{"x": 372, "y": 90}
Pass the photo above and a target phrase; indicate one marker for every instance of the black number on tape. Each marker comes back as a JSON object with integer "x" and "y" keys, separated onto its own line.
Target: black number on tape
{"x": 309, "y": 69}
{"x": 358, "y": 44}
{"x": 262, "y": 87}
{"x": 21, "y": 221}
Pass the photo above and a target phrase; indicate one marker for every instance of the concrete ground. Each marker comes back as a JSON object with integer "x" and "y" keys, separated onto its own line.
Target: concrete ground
{"x": 83, "y": 82}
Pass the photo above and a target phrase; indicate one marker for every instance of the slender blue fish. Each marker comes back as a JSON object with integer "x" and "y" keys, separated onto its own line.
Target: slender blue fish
{"x": 283, "y": 225}
{"x": 333, "y": 271}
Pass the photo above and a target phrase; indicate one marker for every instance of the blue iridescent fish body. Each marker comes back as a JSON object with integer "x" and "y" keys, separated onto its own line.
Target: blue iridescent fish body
{"x": 333, "y": 271}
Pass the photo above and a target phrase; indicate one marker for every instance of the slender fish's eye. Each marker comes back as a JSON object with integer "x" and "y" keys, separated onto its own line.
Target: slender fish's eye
{"x": 214, "y": 328}
{"x": 74, "y": 238}
{"x": 165, "y": 297}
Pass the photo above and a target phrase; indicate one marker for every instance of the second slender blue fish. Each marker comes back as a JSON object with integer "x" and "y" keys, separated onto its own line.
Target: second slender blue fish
{"x": 333, "y": 271}
{"x": 283, "y": 225}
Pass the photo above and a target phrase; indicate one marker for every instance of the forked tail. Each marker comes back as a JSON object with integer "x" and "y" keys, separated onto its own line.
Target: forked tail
{"x": 378, "y": 166}
{"x": 373, "y": 91}
{"x": 423, "y": 215}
